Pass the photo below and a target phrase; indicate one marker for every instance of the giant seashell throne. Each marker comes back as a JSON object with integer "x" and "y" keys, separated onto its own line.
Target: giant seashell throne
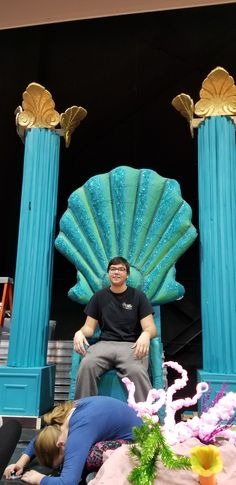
{"x": 136, "y": 214}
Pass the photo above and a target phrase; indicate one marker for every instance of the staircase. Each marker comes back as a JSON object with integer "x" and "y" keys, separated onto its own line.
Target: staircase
{"x": 59, "y": 353}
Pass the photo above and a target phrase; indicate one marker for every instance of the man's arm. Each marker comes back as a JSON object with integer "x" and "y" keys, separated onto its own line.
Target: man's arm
{"x": 149, "y": 331}
{"x": 148, "y": 325}
{"x": 87, "y": 330}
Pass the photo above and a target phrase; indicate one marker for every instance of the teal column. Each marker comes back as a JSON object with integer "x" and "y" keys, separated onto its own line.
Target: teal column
{"x": 33, "y": 280}
{"x": 27, "y": 383}
{"x": 217, "y": 219}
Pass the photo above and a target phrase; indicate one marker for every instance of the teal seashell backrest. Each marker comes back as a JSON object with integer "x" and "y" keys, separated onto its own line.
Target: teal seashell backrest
{"x": 133, "y": 213}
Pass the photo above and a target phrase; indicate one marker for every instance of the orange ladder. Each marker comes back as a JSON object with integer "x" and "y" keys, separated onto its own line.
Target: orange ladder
{"x": 6, "y": 303}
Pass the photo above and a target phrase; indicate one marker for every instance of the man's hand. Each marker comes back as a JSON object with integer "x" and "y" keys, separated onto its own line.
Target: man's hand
{"x": 79, "y": 342}
{"x": 32, "y": 477}
{"x": 142, "y": 345}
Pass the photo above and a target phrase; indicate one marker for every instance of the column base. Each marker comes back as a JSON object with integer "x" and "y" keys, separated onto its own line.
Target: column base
{"x": 215, "y": 381}
{"x": 26, "y": 391}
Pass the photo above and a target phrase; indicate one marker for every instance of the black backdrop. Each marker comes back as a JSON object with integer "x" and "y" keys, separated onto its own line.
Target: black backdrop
{"x": 125, "y": 71}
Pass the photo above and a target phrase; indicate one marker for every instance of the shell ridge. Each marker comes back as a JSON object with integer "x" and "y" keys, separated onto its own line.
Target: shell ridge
{"x": 80, "y": 262}
{"x": 145, "y": 248}
{"x": 69, "y": 225}
{"x": 155, "y": 280}
{"x": 165, "y": 243}
{"x": 162, "y": 268}
{"x": 158, "y": 274}
{"x": 81, "y": 291}
{"x": 100, "y": 197}
{"x": 61, "y": 244}
{"x": 72, "y": 256}
{"x": 123, "y": 186}
{"x": 85, "y": 209}
{"x": 81, "y": 276}
{"x": 133, "y": 222}
{"x": 135, "y": 183}
{"x": 149, "y": 252}
{"x": 113, "y": 212}
{"x": 94, "y": 215}
{"x": 134, "y": 236}
{"x": 90, "y": 242}
{"x": 155, "y": 237}
{"x": 170, "y": 289}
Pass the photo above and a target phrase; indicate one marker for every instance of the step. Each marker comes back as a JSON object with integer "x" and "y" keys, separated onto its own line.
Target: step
{"x": 59, "y": 353}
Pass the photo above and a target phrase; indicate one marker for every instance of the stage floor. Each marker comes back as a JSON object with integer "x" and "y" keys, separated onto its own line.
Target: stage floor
{"x": 26, "y": 435}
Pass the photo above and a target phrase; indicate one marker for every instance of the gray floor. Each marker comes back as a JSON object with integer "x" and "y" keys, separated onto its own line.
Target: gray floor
{"x": 26, "y": 436}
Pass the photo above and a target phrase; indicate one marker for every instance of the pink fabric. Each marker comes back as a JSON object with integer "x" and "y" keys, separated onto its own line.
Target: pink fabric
{"x": 118, "y": 464}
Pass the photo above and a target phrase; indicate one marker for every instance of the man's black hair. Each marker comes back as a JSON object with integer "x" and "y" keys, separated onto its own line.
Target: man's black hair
{"x": 119, "y": 260}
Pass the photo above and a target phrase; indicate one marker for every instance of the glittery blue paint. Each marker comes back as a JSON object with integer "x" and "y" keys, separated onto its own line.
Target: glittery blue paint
{"x": 135, "y": 213}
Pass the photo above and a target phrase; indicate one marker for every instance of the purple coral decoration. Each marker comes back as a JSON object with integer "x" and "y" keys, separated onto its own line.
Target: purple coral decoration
{"x": 208, "y": 439}
{"x": 207, "y": 403}
{"x": 219, "y": 395}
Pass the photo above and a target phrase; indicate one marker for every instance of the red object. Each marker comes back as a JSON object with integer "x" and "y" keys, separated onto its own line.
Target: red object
{"x": 6, "y": 303}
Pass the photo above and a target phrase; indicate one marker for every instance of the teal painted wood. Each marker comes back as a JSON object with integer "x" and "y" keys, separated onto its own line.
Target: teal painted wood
{"x": 26, "y": 391}
{"x": 157, "y": 319}
{"x": 217, "y": 209}
{"x": 33, "y": 279}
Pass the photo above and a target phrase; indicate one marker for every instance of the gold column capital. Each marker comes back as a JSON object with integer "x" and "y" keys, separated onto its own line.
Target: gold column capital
{"x": 217, "y": 98}
{"x": 37, "y": 111}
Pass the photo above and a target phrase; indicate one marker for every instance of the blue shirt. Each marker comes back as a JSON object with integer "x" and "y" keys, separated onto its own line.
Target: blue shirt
{"x": 95, "y": 419}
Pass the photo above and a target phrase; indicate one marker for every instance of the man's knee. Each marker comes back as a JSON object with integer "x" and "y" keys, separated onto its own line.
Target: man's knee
{"x": 88, "y": 362}
{"x": 136, "y": 370}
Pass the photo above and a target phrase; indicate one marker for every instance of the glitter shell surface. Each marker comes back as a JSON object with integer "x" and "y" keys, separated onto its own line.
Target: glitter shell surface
{"x": 133, "y": 213}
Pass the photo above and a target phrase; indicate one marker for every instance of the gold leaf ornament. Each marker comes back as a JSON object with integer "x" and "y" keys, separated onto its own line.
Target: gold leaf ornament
{"x": 19, "y": 128}
{"x": 70, "y": 120}
{"x": 25, "y": 119}
{"x": 38, "y": 108}
{"x": 184, "y": 104}
{"x": 218, "y": 94}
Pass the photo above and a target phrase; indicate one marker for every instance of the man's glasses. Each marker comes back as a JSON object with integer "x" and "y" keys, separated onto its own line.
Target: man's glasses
{"x": 120, "y": 269}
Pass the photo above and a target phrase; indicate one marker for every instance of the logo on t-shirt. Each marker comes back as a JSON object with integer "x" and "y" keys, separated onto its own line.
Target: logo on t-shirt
{"x": 127, "y": 306}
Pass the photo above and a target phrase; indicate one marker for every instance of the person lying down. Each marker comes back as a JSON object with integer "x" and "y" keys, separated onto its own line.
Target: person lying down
{"x": 72, "y": 429}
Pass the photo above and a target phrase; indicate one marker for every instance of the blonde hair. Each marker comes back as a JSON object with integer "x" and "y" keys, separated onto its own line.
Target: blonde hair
{"x": 45, "y": 445}
{"x": 59, "y": 414}
{"x": 46, "y": 442}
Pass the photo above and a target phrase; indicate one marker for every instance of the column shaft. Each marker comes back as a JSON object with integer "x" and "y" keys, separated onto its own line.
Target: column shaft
{"x": 217, "y": 218}
{"x": 33, "y": 279}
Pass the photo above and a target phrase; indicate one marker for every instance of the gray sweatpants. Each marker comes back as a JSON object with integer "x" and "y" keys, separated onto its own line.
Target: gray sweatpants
{"x": 104, "y": 356}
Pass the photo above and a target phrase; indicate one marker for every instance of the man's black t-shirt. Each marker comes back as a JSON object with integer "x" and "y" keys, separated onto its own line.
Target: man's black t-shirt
{"x": 119, "y": 314}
